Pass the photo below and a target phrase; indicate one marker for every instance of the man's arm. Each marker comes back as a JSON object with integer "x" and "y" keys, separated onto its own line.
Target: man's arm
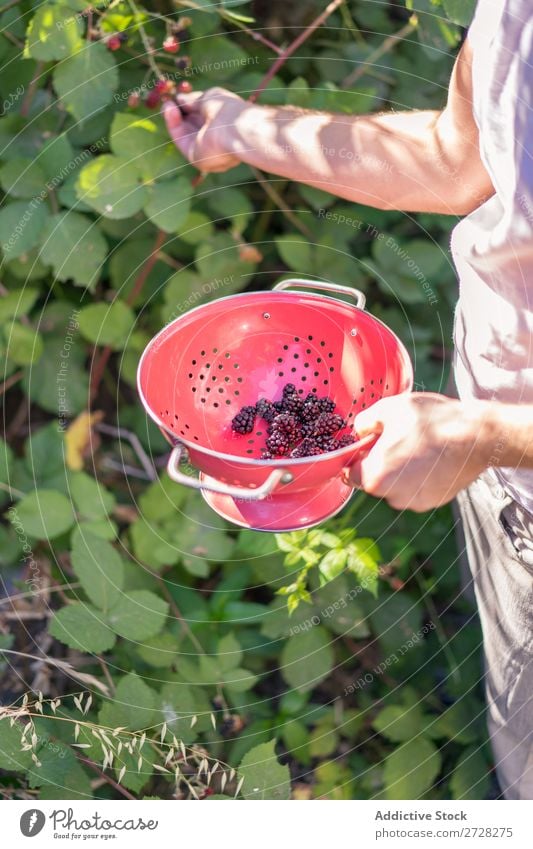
{"x": 420, "y": 161}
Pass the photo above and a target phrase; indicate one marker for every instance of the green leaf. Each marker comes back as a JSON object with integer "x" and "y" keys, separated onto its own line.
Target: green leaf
{"x": 24, "y": 345}
{"x": 12, "y": 757}
{"x": 133, "y": 705}
{"x": 460, "y": 12}
{"x": 399, "y": 723}
{"x": 98, "y": 567}
{"x": 74, "y": 247}
{"x": 139, "y": 615}
{"x": 82, "y": 627}
{"x": 22, "y": 178}
{"x": 92, "y": 500}
{"x": 411, "y": 769}
{"x": 363, "y": 561}
{"x": 107, "y": 324}
{"x": 86, "y": 81}
{"x": 307, "y": 658}
{"x": 295, "y": 252}
{"x": 333, "y": 563}
{"x": 470, "y": 779}
{"x": 58, "y": 773}
{"x": 45, "y": 514}
{"x": 110, "y": 184}
{"x": 238, "y": 680}
{"x": 145, "y": 143}
{"x": 18, "y": 303}
{"x": 169, "y": 203}
{"x": 264, "y": 777}
{"x": 21, "y": 225}
{"x": 229, "y": 652}
{"x": 54, "y": 33}
{"x": 40, "y": 383}
{"x": 159, "y": 651}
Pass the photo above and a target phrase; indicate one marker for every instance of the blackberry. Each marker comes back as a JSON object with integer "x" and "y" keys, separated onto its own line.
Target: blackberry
{"x": 278, "y": 443}
{"x": 289, "y": 389}
{"x": 286, "y": 424}
{"x": 306, "y": 448}
{"x": 243, "y": 422}
{"x": 326, "y": 443}
{"x": 310, "y": 409}
{"x": 266, "y": 410}
{"x": 345, "y": 439}
{"x": 266, "y": 455}
{"x": 327, "y": 424}
{"x": 292, "y": 404}
{"x": 325, "y": 405}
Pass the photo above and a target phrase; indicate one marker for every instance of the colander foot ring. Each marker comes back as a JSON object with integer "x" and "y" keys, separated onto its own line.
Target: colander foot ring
{"x": 275, "y": 478}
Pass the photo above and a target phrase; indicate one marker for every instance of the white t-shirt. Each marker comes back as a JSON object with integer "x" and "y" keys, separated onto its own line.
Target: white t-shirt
{"x": 493, "y": 246}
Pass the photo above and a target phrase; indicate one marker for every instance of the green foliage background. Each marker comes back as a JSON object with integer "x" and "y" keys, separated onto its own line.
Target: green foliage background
{"x": 173, "y": 667}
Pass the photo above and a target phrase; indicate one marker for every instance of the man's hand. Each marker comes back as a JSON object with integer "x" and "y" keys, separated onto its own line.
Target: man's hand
{"x": 201, "y": 127}
{"x": 429, "y": 448}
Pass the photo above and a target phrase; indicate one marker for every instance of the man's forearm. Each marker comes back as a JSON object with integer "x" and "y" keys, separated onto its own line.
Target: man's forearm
{"x": 390, "y": 161}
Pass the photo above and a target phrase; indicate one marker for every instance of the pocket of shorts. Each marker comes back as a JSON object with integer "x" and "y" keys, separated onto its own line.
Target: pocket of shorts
{"x": 520, "y": 542}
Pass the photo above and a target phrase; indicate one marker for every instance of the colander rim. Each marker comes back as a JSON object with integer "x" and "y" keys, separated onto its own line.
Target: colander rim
{"x": 234, "y": 458}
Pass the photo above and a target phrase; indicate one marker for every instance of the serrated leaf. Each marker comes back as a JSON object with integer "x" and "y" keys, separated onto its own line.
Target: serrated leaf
{"x": 410, "y": 770}
{"x": 398, "y": 723}
{"x": 295, "y": 252}
{"x": 92, "y": 500}
{"x": 264, "y": 777}
{"x": 107, "y": 324}
{"x": 98, "y": 567}
{"x": 45, "y": 514}
{"x": 145, "y": 143}
{"x": 110, "y": 185}
{"x": 168, "y": 204}
{"x": 333, "y": 563}
{"x": 75, "y": 248}
{"x": 307, "y": 658}
{"x": 53, "y": 33}
{"x": 139, "y": 615}
{"x": 86, "y": 81}
{"x": 11, "y": 756}
{"x": 81, "y": 626}
{"x": 132, "y": 707}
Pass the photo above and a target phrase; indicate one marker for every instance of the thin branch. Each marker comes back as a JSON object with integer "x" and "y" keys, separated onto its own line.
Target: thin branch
{"x": 26, "y": 103}
{"x": 293, "y": 47}
{"x": 64, "y": 667}
{"x": 7, "y": 384}
{"x": 274, "y": 195}
{"x": 107, "y": 778}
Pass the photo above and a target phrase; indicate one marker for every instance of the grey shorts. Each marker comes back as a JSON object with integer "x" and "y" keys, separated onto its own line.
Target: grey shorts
{"x": 499, "y": 544}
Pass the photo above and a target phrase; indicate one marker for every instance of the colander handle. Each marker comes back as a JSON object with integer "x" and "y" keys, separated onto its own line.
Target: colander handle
{"x": 242, "y": 492}
{"x": 359, "y": 297}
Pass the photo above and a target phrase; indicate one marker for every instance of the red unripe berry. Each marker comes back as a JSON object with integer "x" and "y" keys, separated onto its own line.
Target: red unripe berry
{"x": 114, "y": 42}
{"x": 153, "y": 99}
{"x": 134, "y": 99}
{"x": 171, "y": 44}
{"x": 184, "y": 87}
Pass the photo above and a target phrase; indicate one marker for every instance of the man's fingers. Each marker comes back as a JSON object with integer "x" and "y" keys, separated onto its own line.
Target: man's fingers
{"x": 181, "y": 134}
{"x": 369, "y": 421}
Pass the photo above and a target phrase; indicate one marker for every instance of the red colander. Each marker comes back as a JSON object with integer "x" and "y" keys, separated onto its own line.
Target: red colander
{"x": 197, "y": 373}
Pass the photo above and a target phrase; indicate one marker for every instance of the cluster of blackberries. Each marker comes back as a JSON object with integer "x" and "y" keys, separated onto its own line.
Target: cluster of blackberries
{"x": 163, "y": 89}
{"x": 296, "y": 426}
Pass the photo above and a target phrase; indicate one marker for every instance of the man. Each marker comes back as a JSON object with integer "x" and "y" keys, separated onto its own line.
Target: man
{"x": 470, "y": 159}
